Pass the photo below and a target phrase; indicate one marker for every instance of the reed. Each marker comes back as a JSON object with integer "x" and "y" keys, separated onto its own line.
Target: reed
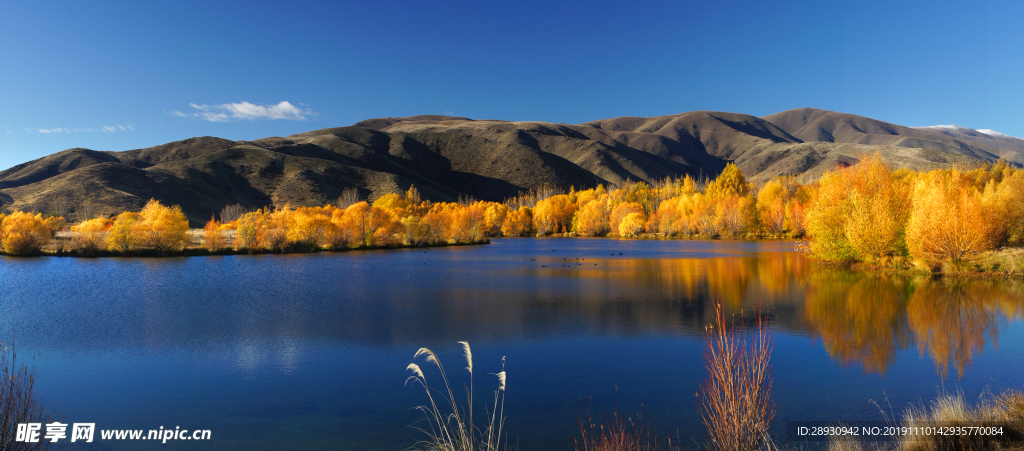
{"x": 612, "y": 432}
{"x": 736, "y": 402}
{"x": 1006, "y": 410}
{"x": 19, "y": 402}
{"x": 450, "y": 425}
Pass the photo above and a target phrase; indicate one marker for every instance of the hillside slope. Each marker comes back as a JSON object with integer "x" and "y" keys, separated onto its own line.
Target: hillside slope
{"x": 452, "y": 157}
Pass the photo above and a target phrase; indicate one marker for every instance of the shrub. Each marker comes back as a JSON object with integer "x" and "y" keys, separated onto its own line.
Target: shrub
{"x": 736, "y": 398}
{"x": 88, "y": 235}
{"x": 948, "y": 222}
{"x": 161, "y": 228}
{"x": 23, "y": 233}
{"x": 19, "y": 402}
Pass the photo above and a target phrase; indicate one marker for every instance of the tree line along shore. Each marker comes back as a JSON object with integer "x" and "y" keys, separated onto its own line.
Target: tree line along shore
{"x": 948, "y": 220}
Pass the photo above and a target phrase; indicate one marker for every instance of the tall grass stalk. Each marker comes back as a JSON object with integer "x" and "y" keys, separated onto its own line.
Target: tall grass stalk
{"x": 449, "y": 425}
{"x": 736, "y": 402}
{"x": 612, "y": 432}
{"x": 19, "y": 402}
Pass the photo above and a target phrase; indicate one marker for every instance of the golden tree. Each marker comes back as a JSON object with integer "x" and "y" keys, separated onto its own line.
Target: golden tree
{"x": 633, "y": 224}
{"x": 860, "y": 212}
{"x": 592, "y": 218}
{"x": 518, "y": 222}
{"x": 213, "y": 237}
{"x": 121, "y": 236}
{"x": 248, "y": 229}
{"x": 88, "y": 235}
{"x": 729, "y": 182}
{"x": 553, "y": 215}
{"x": 619, "y": 213}
{"x": 948, "y": 221}
{"x": 23, "y": 233}
{"x": 494, "y": 218}
{"x": 161, "y": 228}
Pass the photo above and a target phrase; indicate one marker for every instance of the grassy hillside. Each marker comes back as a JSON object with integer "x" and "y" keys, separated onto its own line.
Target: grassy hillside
{"x": 452, "y": 157}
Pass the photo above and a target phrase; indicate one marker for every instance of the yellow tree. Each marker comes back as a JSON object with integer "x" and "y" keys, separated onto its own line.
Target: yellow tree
{"x": 213, "y": 238}
{"x": 518, "y": 222}
{"x": 121, "y": 236}
{"x": 248, "y": 229}
{"x": 633, "y": 224}
{"x": 88, "y": 235}
{"x": 161, "y": 228}
{"x": 494, "y": 218}
{"x": 948, "y": 221}
{"x": 592, "y": 218}
{"x": 729, "y": 182}
{"x": 859, "y": 212}
{"x": 553, "y": 215}
{"x": 620, "y": 212}
{"x": 23, "y": 233}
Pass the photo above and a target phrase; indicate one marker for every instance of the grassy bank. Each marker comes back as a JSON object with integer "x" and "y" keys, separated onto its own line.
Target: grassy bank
{"x": 1004, "y": 411}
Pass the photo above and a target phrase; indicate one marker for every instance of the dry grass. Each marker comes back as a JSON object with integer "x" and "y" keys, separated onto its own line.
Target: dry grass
{"x": 736, "y": 399}
{"x": 449, "y": 425}
{"x": 612, "y": 432}
{"x": 1006, "y": 410}
{"x": 1009, "y": 261}
{"x": 19, "y": 402}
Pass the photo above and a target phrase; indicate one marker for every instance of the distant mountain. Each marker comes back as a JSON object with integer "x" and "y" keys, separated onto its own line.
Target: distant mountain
{"x": 451, "y": 157}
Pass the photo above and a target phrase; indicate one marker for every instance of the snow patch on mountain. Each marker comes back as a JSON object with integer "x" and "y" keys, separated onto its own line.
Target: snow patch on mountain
{"x": 997, "y": 134}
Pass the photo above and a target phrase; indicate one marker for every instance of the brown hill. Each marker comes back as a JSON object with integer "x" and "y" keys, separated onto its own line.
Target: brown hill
{"x": 451, "y": 157}
{"x": 809, "y": 124}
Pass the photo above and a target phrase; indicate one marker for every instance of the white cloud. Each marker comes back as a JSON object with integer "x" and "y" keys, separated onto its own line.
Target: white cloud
{"x": 228, "y": 112}
{"x": 117, "y": 128}
{"x": 104, "y": 129}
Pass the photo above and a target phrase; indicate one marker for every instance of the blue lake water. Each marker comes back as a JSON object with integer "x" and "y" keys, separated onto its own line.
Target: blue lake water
{"x": 309, "y": 351}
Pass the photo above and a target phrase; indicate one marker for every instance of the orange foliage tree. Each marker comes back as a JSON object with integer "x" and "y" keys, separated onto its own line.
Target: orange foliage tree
{"x": 948, "y": 221}
{"x": 23, "y": 233}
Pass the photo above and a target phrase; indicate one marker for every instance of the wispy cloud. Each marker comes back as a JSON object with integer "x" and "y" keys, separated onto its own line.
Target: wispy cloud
{"x": 227, "y": 112}
{"x": 117, "y": 128}
{"x": 104, "y": 129}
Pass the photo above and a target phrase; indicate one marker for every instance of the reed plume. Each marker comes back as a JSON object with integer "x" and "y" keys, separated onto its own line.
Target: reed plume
{"x": 736, "y": 402}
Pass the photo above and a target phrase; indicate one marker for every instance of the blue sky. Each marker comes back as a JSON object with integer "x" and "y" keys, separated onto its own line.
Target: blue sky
{"x": 124, "y": 75}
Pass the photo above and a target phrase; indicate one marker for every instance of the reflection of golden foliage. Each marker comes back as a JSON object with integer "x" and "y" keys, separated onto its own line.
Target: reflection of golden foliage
{"x": 868, "y": 318}
{"x": 952, "y": 320}
{"x": 860, "y": 317}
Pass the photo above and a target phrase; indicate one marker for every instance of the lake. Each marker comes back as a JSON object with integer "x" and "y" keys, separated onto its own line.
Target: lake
{"x": 309, "y": 351}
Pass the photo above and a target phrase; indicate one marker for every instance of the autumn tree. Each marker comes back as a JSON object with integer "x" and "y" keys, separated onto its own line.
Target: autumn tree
{"x": 633, "y": 224}
{"x": 553, "y": 215}
{"x": 248, "y": 229}
{"x": 121, "y": 236}
{"x": 23, "y": 233}
{"x": 592, "y": 218}
{"x": 729, "y": 182}
{"x": 620, "y": 212}
{"x": 948, "y": 222}
{"x": 213, "y": 238}
{"x": 88, "y": 235}
{"x": 518, "y": 222}
{"x": 161, "y": 228}
{"x": 859, "y": 213}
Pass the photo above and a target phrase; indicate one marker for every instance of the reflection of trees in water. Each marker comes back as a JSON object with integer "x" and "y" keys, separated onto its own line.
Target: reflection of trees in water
{"x": 860, "y": 317}
{"x": 868, "y": 318}
{"x": 952, "y": 319}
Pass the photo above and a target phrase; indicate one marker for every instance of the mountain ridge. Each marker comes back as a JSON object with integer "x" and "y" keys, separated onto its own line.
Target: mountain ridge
{"x": 449, "y": 157}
